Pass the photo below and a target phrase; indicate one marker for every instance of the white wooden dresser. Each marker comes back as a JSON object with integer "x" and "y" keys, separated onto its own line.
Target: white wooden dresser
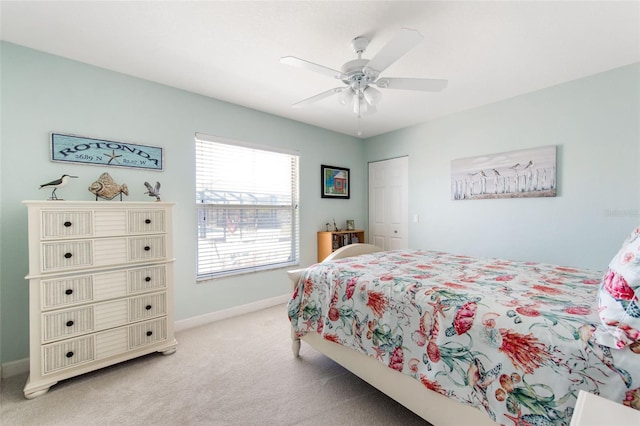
{"x": 100, "y": 286}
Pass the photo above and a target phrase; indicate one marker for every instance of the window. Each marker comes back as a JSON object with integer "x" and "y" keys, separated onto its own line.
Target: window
{"x": 247, "y": 206}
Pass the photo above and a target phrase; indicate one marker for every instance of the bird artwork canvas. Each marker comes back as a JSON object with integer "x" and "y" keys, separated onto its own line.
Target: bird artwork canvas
{"x": 55, "y": 184}
{"x": 153, "y": 191}
{"x": 106, "y": 188}
{"x": 515, "y": 174}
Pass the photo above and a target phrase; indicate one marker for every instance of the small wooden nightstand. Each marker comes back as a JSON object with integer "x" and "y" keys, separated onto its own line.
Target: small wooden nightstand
{"x": 330, "y": 241}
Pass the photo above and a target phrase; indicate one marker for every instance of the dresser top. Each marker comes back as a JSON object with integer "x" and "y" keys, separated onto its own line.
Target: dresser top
{"x": 99, "y": 204}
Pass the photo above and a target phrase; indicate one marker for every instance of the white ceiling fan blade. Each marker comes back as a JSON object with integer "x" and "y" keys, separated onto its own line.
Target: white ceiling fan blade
{"x": 400, "y": 44}
{"x": 318, "y": 97}
{"x": 301, "y": 63}
{"x": 424, "y": 84}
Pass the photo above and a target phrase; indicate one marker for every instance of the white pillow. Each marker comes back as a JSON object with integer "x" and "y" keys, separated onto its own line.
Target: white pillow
{"x": 619, "y": 296}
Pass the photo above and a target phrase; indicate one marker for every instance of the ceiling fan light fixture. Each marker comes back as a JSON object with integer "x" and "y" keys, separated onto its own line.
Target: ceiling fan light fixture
{"x": 372, "y": 96}
{"x": 346, "y": 96}
{"x": 361, "y": 106}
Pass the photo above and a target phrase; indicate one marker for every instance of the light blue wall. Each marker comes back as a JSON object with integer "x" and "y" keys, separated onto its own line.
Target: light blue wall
{"x": 595, "y": 122}
{"x": 42, "y": 93}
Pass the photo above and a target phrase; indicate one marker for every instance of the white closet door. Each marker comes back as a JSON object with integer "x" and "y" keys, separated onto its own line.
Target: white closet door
{"x": 389, "y": 204}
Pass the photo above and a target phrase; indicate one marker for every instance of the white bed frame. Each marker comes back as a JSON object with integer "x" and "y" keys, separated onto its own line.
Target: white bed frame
{"x": 431, "y": 406}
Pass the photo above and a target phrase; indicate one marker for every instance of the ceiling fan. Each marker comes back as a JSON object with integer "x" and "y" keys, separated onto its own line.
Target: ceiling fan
{"x": 360, "y": 75}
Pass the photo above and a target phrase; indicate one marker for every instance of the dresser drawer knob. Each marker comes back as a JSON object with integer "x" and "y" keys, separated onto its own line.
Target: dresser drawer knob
{"x": 69, "y": 323}
{"x": 67, "y": 224}
{"x": 147, "y": 248}
{"x": 148, "y": 307}
{"x": 147, "y": 221}
{"x": 68, "y": 255}
{"x": 147, "y": 279}
{"x": 69, "y": 354}
{"x": 149, "y": 333}
{"x": 68, "y": 291}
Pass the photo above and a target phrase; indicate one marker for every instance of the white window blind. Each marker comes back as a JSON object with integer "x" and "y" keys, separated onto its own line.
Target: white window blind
{"x": 247, "y": 206}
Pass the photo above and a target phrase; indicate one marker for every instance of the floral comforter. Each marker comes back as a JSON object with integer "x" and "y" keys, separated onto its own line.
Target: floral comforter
{"x": 511, "y": 338}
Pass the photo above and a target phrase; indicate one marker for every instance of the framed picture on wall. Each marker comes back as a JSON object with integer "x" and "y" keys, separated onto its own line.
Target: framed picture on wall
{"x": 515, "y": 174}
{"x": 334, "y": 181}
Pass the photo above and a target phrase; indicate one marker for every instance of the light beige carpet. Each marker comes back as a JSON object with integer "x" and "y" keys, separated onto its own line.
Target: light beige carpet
{"x": 239, "y": 371}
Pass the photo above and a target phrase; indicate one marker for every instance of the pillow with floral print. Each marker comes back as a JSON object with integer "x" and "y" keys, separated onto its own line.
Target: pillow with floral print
{"x": 619, "y": 296}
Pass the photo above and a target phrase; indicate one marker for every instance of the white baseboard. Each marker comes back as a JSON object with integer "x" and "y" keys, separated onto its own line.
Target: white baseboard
{"x": 13, "y": 368}
{"x": 231, "y": 312}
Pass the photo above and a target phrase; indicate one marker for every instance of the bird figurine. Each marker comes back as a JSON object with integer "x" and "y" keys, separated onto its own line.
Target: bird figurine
{"x": 105, "y": 187}
{"x": 55, "y": 184}
{"x": 153, "y": 191}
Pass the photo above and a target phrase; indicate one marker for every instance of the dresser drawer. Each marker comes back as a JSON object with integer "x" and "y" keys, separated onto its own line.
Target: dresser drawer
{"x": 57, "y": 224}
{"x": 149, "y": 306}
{"x": 72, "y": 352}
{"x": 67, "y": 354}
{"x": 147, "y": 248}
{"x": 143, "y": 279}
{"x": 147, "y": 332}
{"x": 68, "y": 291}
{"x": 146, "y": 222}
{"x": 66, "y": 224}
{"x": 70, "y": 322}
{"x": 79, "y": 254}
{"x": 65, "y": 323}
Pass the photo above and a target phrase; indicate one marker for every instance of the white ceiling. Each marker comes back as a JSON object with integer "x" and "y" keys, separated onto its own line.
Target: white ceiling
{"x": 230, "y": 50}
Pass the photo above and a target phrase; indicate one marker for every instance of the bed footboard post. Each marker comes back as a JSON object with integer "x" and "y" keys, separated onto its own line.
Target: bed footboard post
{"x": 294, "y": 276}
{"x": 295, "y": 344}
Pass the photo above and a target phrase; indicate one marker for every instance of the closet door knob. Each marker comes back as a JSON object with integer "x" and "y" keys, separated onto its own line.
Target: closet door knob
{"x": 69, "y": 354}
{"x": 148, "y": 307}
{"x": 68, "y": 291}
{"x": 147, "y": 279}
{"x": 69, "y": 323}
{"x": 149, "y": 333}
{"x": 147, "y": 248}
{"x": 147, "y": 221}
{"x": 68, "y": 255}
{"x": 67, "y": 224}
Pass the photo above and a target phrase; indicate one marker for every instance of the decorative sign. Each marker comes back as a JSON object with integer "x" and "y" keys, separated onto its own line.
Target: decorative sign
{"x": 78, "y": 149}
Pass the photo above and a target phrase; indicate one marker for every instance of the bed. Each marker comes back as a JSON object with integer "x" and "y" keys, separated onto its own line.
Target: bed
{"x": 461, "y": 340}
